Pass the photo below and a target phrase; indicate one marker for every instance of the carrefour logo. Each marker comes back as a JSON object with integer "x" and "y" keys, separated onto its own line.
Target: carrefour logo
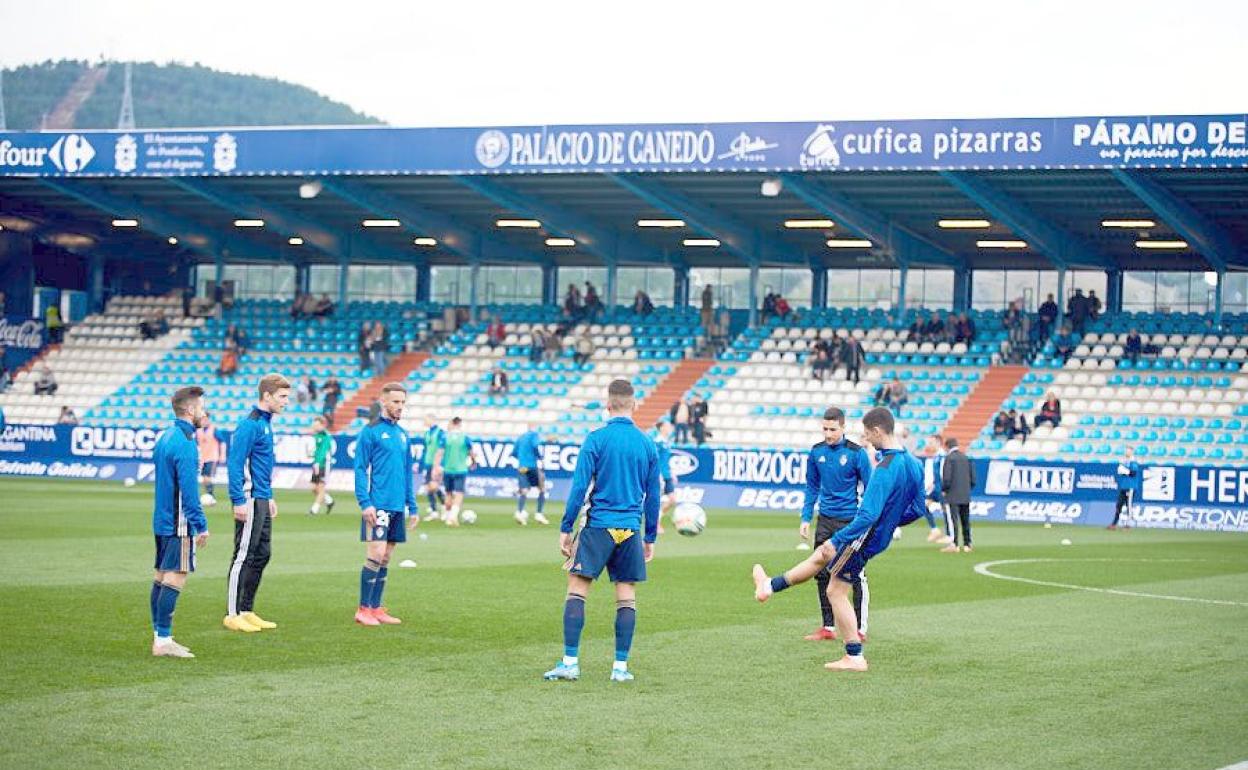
{"x": 69, "y": 154}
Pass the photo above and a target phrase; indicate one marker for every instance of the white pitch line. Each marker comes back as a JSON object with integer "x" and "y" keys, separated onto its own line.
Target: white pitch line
{"x": 985, "y": 568}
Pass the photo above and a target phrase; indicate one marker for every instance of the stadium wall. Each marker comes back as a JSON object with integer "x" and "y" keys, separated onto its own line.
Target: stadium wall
{"x": 1195, "y": 497}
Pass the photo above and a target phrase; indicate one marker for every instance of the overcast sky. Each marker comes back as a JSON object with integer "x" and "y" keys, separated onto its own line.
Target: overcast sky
{"x": 586, "y": 61}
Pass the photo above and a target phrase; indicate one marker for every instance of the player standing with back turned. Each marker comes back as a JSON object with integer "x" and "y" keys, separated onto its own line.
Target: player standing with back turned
{"x": 623, "y": 465}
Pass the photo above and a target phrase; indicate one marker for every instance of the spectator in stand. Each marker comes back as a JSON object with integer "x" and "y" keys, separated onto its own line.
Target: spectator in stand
{"x": 642, "y": 305}
{"x": 1013, "y": 321}
{"x": 1018, "y": 425}
{"x": 965, "y": 330}
{"x": 333, "y": 394}
{"x": 1050, "y": 411}
{"x": 302, "y": 394}
{"x": 499, "y": 384}
{"x": 593, "y": 303}
{"x": 45, "y": 383}
{"x": 362, "y": 342}
{"x": 1094, "y": 305}
{"x": 238, "y": 337}
{"x": 915, "y": 332}
{"x": 698, "y": 411}
{"x": 881, "y": 395}
{"x": 296, "y": 307}
{"x": 584, "y": 349}
{"x": 1064, "y": 344}
{"x": 147, "y": 327}
{"x": 1048, "y": 317}
{"x": 495, "y": 333}
{"x": 708, "y": 307}
{"x": 782, "y": 307}
{"x": 572, "y": 302}
{"x": 769, "y": 307}
{"x": 52, "y": 323}
{"x": 897, "y": 396}
{"x": 819, "y": 359}
{"x": 229, "y": 361}
{"x": 1077, "y": 309}
{"x": 554, "y": 346}
{"x": 67, "y": 417}
{"x": 680, "y": 418}
{"x": 537, "y": 344}
{"x": 1001, "y": 425}
{"x": 380, "y": 348}
{"x": 935, "y": 329}
{"x": 323, "y": 307}
{"x": 853, "y": 355}
{"x": 1134, "y": 347}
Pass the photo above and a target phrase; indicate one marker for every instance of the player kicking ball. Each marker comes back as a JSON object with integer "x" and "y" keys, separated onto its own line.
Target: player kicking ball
{"x": 667, "y": 479}
{"x": 623, "y": 465}
{"x": 893, "y": 498}
{"x": 386, "y": 494}
{"x": 453, "y": 460}
{"x": 177, "y": 519}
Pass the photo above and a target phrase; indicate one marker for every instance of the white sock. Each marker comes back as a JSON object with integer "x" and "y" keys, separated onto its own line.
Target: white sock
{"x": 162, "y": 639}
{"x": 620, "y": 665}
{"x": 570, "y": 660}
{"x": 829, "y": 628}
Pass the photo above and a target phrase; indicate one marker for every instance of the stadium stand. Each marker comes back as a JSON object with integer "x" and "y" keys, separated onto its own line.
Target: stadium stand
{"x": 100, "y": 354}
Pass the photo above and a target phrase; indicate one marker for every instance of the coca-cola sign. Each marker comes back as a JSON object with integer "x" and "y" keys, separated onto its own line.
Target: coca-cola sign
{"x": 25, "y": 333}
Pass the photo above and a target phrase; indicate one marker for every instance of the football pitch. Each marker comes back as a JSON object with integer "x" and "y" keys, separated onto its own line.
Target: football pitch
{"x": 968, "y": 671}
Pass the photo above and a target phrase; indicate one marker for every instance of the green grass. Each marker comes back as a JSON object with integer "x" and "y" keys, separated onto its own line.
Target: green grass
{"x": 967, "y": 671}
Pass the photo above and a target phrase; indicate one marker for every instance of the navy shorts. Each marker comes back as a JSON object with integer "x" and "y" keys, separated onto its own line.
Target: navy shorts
{"x": 175, "y": 554}
{"x": 669, "y": 485}
{"x": 454, "y": 482}
{"x": 848, "y": 566}
{"x": 530, "y": 477}
{"x": 619, "y": 550}
{"x": 206, "y": 470}
{"x": 318, "y": 472}
{"x": 390, "y": 528}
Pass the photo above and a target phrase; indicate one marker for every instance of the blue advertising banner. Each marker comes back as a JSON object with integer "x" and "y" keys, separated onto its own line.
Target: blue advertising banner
{"x": 20, "y": 339}
{"x": 1172, "y": 497}
{"x": 1199, "y": 141}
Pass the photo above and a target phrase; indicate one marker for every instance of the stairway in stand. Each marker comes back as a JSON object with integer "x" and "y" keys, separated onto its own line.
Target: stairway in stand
{"x": 400, "y": 366}
{"x": 678, "y": 382}
{"x": 983, "y": 403}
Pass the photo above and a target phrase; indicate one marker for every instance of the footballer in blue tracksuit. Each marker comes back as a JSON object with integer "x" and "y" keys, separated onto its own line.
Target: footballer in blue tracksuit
{"x": 528, "y": 452}
{"x": 893, "y": 498}
{"x": 386, "y": 492}
{"x": 251, "y": 455}
{"x": 1130, "y": 478}
{"x": 663, "y": 442}
{"x": 835, "y": 471}
{"x": 621, "y": 524}
{"x": 178, "y": 522}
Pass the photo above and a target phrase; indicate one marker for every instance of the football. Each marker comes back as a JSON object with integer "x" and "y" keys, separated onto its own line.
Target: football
{"x": 469, "y": 516}
{"x": 689, "y": 519}
{"x": 207, "y": 500}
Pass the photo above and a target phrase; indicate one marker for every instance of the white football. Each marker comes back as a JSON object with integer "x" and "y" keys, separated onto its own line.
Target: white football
{"x": 689, "y": 519}
{"x": 468, "y": 516}
{"x": 129, "y": 481}
{"x": 207, "y": 500}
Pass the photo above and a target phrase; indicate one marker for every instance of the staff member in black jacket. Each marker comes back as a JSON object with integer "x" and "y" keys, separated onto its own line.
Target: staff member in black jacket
{"x": 957, "y": 481}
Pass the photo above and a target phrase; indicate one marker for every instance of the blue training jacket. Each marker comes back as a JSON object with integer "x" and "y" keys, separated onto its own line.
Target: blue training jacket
{"x": 665, "y": 457}
{"x": 1130, "y": 478}
{"x": 623, "y": 464}
{"x": 893, "y": 498}
{"x": 383, "y": 468}
{"x": 252, "y": 443}
{"x": 528, "y": 449}
{"x": 833, "y": 473}
{"x": 177, "y": 510}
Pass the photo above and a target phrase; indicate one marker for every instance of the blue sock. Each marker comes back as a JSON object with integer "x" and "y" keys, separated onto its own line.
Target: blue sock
{"x": 155, "y": 600}
{"x": 379, "y": 587}
{"x": 931, "y": 520}
{"x": 541, "y": 502}
{"x": 211, "y": 487}
{"x": 625, "y": 624}
{"x": 778, "y": 583}
{"x": 853, "y": 648}
{"x": 368, "y": 581}
{"x": 521, "y": 499}
{"x": 433, "y": 502}
{"x": 441, "y": 497}
{"x": 573, "y": 624}
{"x": 165, "y": 604}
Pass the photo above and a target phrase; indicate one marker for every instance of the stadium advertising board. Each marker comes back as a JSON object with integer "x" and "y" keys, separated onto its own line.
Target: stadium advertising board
{"x": 20, "y": 338}
{"x": 1141, "y": 141}
{"x": 1172, "y": 497}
